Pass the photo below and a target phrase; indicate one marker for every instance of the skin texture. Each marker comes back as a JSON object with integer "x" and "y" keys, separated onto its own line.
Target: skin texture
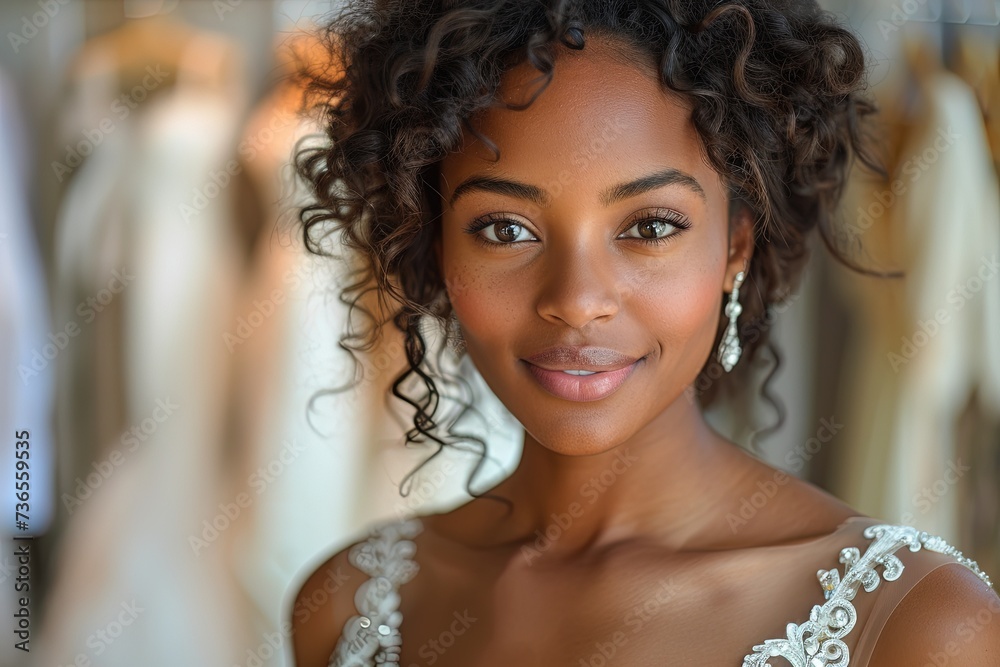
{"x": 647, "y": 482}
{"x": 949, "y": 618}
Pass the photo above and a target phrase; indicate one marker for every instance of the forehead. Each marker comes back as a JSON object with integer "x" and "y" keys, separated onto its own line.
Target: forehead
{"x": 601, "y": 119}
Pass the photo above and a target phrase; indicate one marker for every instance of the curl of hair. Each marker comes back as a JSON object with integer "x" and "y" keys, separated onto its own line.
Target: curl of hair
{"x": 777, "y": 89}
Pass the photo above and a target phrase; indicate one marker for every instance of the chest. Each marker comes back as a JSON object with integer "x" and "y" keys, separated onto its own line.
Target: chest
{"x": 630, "y": 608}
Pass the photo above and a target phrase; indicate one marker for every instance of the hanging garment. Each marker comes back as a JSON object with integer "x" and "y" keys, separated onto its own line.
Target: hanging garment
{"x": 977, "y": 62}
{"x": 144, "y": 210}
{"x": 923, "y": 350}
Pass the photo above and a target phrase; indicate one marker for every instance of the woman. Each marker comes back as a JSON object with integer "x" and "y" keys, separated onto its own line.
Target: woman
{"x": 602, "y": 199}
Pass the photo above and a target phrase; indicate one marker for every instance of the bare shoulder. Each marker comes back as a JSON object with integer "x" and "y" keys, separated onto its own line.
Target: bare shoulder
{"x": 323, "y": 604}
{"x": 769, "y": 505}
{"x": 950, "y": 617}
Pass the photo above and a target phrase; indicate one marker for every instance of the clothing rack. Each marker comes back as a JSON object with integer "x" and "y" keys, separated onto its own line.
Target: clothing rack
{"x": 944, "y": 22}
{"x": 959, "y": 12}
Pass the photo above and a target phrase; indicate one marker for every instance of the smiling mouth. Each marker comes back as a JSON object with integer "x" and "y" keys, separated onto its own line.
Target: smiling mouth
{"x": 581, "y": 385}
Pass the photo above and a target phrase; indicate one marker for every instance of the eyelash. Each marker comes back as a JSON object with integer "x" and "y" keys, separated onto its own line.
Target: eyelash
{"x": 669, "y": 216}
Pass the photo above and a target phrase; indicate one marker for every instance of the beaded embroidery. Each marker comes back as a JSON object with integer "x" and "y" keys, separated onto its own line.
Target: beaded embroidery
{"x": 371, "y": 637}
{"x": 819, "y": 641}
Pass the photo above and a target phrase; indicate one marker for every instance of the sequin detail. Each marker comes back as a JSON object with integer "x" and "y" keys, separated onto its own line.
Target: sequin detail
{"x": 372, "y": 637}
{"x": 819, "y": 641}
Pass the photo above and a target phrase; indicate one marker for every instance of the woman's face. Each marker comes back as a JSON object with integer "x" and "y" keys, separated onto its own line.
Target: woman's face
{"x": 603, "y": 226}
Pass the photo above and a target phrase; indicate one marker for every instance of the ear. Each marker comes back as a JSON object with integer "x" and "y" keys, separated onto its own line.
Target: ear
{"x": 741, "y": 240}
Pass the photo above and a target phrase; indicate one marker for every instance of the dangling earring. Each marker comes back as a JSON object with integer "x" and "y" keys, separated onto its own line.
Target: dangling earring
{"x": 453, "y": 335}
{"x": 729, "y": 347}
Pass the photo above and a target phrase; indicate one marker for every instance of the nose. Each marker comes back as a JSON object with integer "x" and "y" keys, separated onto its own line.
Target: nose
{"x": 579, "y": 283}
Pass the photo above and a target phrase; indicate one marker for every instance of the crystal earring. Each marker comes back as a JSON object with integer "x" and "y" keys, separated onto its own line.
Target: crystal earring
{"x": 729, "y": 348}
{"x": 453, "y": 335}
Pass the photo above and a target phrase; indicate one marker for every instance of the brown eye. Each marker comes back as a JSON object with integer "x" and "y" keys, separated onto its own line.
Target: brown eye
{"x": 507, "y": 232}
{"x": 660, "y": 227}
{"x": 499, "y": 229}
{"x": 651, "y": 229}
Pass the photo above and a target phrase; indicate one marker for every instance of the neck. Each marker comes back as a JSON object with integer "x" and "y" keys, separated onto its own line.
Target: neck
{"x": 659, "y": 484}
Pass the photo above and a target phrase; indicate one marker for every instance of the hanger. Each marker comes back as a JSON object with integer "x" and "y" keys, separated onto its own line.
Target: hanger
{"x": 151, "y": 37}
{"x": 960, "y": 12}
{"x": 135, "y": 9}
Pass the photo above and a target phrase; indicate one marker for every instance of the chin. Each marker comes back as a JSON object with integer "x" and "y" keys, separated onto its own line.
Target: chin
{"x": 582, "y": 438}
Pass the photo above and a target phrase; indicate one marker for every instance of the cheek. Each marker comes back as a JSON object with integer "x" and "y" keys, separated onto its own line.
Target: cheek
{"x": 683, "y": 311}
{"x": 484, "y": 300}
{"x": 486, "y": 311}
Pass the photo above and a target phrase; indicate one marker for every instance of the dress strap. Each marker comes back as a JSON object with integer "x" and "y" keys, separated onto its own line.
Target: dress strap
{"x": 372, "y": 635}
{"x": 818, "y": 642}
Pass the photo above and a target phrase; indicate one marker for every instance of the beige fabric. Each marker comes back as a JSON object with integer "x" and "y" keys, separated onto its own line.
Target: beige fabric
{"x": 127, "y": 549}
{"x": 923, "y": 349}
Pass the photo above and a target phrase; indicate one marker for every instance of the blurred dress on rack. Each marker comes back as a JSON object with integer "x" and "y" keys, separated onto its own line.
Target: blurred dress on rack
{"x": 147, "y": 266}
{"x": 977, "y": 62}
{"x": 923, "y": 376}
{"x": 317, "y": 472}
{"x": 976, "y": 59}
{"x": 27, "y": 345}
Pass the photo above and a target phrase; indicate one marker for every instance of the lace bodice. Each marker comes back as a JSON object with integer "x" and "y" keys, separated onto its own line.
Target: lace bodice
{"x": 372, "y": 637}
{"x": 818, "y": 642}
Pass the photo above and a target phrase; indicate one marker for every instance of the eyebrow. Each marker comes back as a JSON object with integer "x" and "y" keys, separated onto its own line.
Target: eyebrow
{"x": 659, "y": 179}
{"x": 500, "y": 186}
{"x": 615, "y": 193}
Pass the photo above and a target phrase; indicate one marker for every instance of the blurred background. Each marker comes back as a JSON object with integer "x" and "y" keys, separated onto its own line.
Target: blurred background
{"x": 161, "y": 339}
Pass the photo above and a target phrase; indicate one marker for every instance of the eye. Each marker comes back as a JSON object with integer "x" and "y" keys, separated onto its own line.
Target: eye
{"x": 658, "y": 226}
{"x": 499, "y": 229}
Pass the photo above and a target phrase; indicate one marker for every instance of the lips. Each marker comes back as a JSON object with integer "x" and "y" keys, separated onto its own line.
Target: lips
{"x": 587, "y": 358}
{"x": 606, "y": 371}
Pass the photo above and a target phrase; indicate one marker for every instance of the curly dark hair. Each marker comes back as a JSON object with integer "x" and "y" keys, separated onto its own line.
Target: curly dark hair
{"x": 778, "y": 95}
